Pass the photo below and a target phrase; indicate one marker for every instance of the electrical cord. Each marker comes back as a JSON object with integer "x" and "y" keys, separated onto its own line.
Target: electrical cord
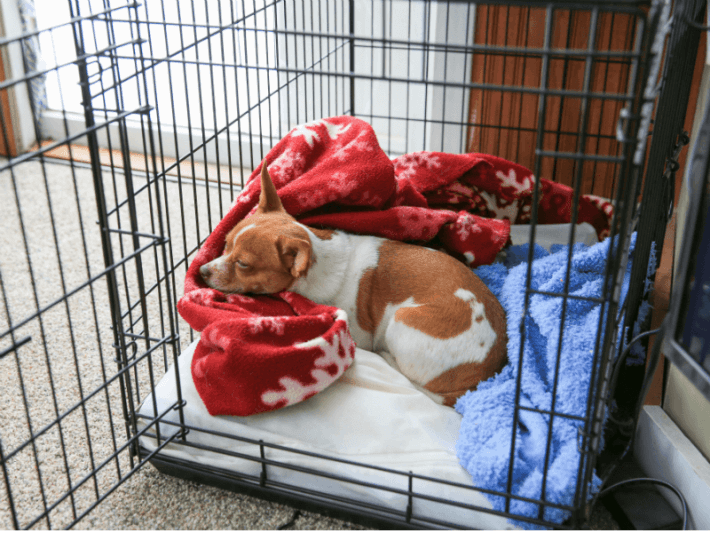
{"x": 292, "y": 522}
{"x": 654, "y": 358}
{"x": 640, "y": 480}
{"x": 619, "y": 363}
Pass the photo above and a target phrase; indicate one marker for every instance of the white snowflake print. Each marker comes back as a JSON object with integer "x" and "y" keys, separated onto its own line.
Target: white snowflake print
{"x": 407, "y": 166}
{"x": 293, "y": 391}
{"x": 247, "y": 195}
{"x": 509, "y": 211}
{"x": 375, "y": 199}
{"x": 308, "y": 133}
{"x": 459, "y": 188}
{"x": 412, "y": 220}
{"x": 606, "y": 206}
{"x": 268, "y": 323}
{"x": 334, "y": 130}
{"x": 339, "y": 185}
{"x": 198, "y": 369}
{"x": 309, "y": 200}
{"x": 213, "y": 337}
{"x": 359, "y": 144}
{"x": 510, "y": 180}
{"x": 286, "y": 167}
{"x": 201, "y": 296}
{"x": 244, "y": 197}
{"x": 467, "y": 226}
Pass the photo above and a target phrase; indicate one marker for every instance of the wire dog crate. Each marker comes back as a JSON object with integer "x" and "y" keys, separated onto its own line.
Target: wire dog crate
{"x": 129, "y": 130}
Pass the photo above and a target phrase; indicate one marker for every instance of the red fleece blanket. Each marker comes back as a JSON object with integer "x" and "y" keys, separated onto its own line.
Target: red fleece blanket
{"x": 332, "y": 173}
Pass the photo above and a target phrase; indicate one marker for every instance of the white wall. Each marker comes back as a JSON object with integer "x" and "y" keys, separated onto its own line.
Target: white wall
{"x": 192, "y": 99}
{"x": 392, "y": 66}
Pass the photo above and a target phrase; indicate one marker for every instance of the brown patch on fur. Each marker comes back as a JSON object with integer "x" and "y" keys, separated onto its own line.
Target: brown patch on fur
{"x": 322, "y": 234}
{"x": 365, "y": 317}
{"x": 457, "y": 381}
{"x": 276, "y": 252}
{"x": 264, "y": 259}
{"x": 443, "y": 318}
{"x": 268, "y": 198}
{"x": 431, "y": 278}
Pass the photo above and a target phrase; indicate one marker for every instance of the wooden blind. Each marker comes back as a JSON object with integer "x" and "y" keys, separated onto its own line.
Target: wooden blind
{"x": 505, "y": 120}
{"x": 6, "y": 119}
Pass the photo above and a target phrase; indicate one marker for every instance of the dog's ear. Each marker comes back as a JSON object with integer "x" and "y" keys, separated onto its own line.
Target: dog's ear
{"x": 268, "y": 199}
{"x": 295, "y": 254}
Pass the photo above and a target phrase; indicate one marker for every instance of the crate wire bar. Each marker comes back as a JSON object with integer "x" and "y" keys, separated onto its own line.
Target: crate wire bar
{"x": 155, "y": 114}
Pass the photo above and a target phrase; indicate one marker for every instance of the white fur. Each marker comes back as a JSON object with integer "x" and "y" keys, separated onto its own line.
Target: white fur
{"x": 248, "y": 226}
{"x": 334, "y": 279}
{"x": 221, "y": 266}
{"x": 422, "y": 358}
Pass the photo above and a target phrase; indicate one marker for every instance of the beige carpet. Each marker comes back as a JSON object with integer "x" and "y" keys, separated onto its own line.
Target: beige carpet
{"x": 76, "y": 333}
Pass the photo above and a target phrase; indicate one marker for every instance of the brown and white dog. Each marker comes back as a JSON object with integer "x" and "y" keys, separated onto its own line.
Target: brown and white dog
{"x": 425, "y": 312}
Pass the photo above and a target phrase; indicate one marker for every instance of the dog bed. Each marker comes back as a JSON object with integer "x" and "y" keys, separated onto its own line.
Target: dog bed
{"x": 371, "y": 415}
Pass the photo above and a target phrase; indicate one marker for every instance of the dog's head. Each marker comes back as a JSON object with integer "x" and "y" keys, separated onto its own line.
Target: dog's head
{"x": 264, "y": 253}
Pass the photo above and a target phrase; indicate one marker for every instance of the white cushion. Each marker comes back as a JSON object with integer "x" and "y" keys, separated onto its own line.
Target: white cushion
{"x": 371, "y": 415}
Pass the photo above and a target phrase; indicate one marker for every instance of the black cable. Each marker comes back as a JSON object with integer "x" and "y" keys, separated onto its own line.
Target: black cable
{"x": 623, "y": 355}
{"x": 696, "y": 25}
{"x": 654, "y": 358}
{"x": 665, "y": 484}
{"x": 292, "y": 522}
{"x": 620, "y": 360}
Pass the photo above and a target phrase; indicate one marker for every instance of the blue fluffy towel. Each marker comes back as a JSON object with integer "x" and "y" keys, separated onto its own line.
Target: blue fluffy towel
{"x": 484, "y": 441}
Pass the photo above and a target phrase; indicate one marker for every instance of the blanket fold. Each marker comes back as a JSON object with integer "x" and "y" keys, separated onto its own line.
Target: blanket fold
{"x": 266, "y": 352}
{"x": 332, "y": 173}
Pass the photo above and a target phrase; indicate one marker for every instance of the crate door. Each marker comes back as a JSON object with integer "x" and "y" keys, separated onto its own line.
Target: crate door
{"x": 87, "y": 308}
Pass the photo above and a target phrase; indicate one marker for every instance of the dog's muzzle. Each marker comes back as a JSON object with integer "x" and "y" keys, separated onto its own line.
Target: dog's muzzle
{"x": 214, "y": 274}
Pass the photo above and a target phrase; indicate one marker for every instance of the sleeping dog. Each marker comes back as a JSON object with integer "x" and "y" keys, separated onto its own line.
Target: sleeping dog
{"x": 426, "y": 313}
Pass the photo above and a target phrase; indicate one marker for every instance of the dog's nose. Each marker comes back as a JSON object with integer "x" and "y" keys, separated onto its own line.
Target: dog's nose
{"x": 205, "y": 272}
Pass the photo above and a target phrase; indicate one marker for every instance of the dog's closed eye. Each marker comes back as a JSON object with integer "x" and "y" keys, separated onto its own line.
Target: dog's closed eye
{"x": 242, "y": 265}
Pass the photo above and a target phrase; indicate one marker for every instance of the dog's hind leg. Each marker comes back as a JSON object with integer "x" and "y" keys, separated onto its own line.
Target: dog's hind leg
{"x": 445, "y": 364}
{"x": 390, "y": 360}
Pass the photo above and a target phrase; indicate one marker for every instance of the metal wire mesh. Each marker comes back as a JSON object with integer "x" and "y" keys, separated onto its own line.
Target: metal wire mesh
{"x": 160, "y": 109}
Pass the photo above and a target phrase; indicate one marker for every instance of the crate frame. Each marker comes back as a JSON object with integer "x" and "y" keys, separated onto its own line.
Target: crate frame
{"x": 125, "y": 246}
